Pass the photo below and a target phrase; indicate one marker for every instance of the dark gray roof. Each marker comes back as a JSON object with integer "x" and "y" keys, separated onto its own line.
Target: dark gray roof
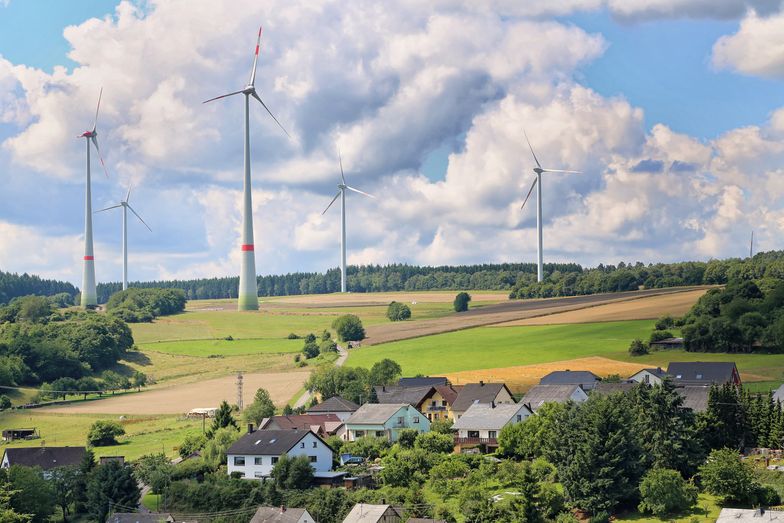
{"x": 423, "y": 381}
{"x": 701, "y": 372}
{"x": 334, "y": 404}
{"x": 397, "y": 394}
{"x": 375, "y": 413}
{"x": 658, "y": 372}
{"x": 268, "y": 442}
{"x": 541, "y": 394}
{"x": 611, "y": 388}
{"x": 471, "y": 393}
{"x": 570, "y": 377}
{"x": 484, "y": 416}
{"x": 276, "y": 515}
{"x": 137, "y": 517}
{"x": 694, "y": 398}
{"x": 45, "y": 457}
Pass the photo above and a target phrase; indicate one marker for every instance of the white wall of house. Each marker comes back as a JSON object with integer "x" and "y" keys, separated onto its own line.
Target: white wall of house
{"x": 492, "y": 432}
{"x": 646, "y": 377}
{"x": 5, "y": 463}
{"x": 260, "y": 466}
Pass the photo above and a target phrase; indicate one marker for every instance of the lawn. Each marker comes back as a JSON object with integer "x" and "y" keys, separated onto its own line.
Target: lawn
{"x": 144, "y": 434}
{"x": 706, "y": 510}
{"x": 204, "y": 348}
{"x": 497, "y": 347}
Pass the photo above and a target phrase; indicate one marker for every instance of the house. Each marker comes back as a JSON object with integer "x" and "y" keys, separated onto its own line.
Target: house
{"x": 538, "y": 395}
{"x": 482, "y": 422}
{"x": 603, "y": 388}
{"x": 14, "y": 434}
{"x": 438, "y": 405}
{"x": 47, "y": 458}
{"x": 255, "y": 453}
{"x": 585, "y": 379}
{"x": 694, "y": 398}
{"x": 649, "y": 376}
{"x": 778, "y": 394}
{"x": 282, "y": 515}
{"x": 704, "y": 373}
{"x": 481, "y": 392}
{"x": 423, "y": 381}
{"x": 364, "y": 513}
{"x": 749, "y": 515}
{"x": 434, "y": 401}
{"x": 397, "y": 394}
{"x": 138, "y": 517}
{"x": 340, "y": 407}
{"x": 322, "y": 424}
{"x": 667, "y": 343}
{"x": 385, "y": 420}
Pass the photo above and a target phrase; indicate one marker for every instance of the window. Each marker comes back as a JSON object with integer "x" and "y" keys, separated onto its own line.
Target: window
{"x": 379, "y": 433}
{"x": 491, "y": 434}
{"x": 313, "y": 459}
{"x": 400, "y": 420}
{"x": 416, "y": 420}
{"x": 239, "y": 461}
{"x": 678, "y": 376}
{"x": 473, "y": 433}
{"x": 699, "y": 376}
{"x": 315, "y": 444}
{"x": 443, "y": 403}
{"x": 258, "y": 461}
{"x": 274, "y": 460}
{"x": 359, "y": 433}
{"x": 433, "y": 403}
{"x": 436, "y": 416}
{"x": 519, "y": 418}
{"x": 646, "y": 379}
{"x": 302, "y": 445}
{"x": 258, "y": 475}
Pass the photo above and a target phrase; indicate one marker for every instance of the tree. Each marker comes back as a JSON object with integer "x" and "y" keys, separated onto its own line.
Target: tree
{"x": 86, "y": 467}
{"x": 63, "y": 481}
{"x": 87, "y": 385}
{"x": 407, "y": 437}
{"x": 139, "y": 380}
{"x": 724, "y": 475}
{"x": 191, "y": 444}
{"x": 534, "y": 438}
{"x": 435, "y": 443}
{"x": 385, "y": 372}
{"x": 5, "y": 402}
{"x": 111, "y": 484}
{"x": 664, "y": 491}
{"x": 7, "y": 512}
{"x": 292, "y": 473}
{"x": 398, "y": 311}
{"x": 34, "y": 494}
{"x": 147, "y": 467}
{"x": 311, "y": 350}
{"x": 461, "y": 301}
{"x": 104, "y": 432}
{"x": 349, "y": 328}
{"x": 262, "y": 407}
{"x": 223, "y": 418}
{"x": 35, "y": 309}
{"x": 352, "y": 383}
{"x": 638, "y": 348}
{"x": 215, "y": 449}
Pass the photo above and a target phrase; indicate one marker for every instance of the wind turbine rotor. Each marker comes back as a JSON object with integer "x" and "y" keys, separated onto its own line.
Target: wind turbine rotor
{"x": 529, "y": 194}
{"x": 330, "y": 203}
{"x": 137, "y": 215}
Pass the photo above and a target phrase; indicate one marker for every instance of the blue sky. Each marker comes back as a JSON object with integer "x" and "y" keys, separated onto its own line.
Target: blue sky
{"x": 428, "y": 117}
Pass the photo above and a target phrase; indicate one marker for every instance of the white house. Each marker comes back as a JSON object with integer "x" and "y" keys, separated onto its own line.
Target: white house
{"x": 255, "y": 453}
{"x": 482, "y": 422}
{"x": 649, "y": 376}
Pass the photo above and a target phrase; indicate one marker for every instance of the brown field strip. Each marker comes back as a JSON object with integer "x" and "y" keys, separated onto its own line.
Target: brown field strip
{"x": 379, "y": 298}
{"x": 505, "y": 312}
{"x": 639, "y": 309}
{"x": 179, "y": 399}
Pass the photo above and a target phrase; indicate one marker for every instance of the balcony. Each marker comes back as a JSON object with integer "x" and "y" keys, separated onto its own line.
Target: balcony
{"x": 493, "y": 442}
{"x": 436, "y": 408}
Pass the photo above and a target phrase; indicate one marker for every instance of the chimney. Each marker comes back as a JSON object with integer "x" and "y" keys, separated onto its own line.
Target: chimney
{"x": 492, "y": 404}
{"x": 250, "y": 428}
{"x": 383, "y": 388}
{"x": 481, "y": 383}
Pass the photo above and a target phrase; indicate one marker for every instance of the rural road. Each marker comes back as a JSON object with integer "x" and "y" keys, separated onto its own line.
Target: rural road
{"x": 501, "y": 313}
{"x": 305, "y": 398}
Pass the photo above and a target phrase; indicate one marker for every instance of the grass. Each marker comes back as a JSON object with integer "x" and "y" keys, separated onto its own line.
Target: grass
{"x": 706, "y": 510}
{"x": 151, "y": 501}
{"x": 144, "y": 434}
{"x": 205, "y": 348}
{"x": 496, "y": 347}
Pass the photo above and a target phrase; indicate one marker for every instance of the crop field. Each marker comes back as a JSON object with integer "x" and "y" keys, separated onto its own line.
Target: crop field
{"x": 144, "y": 434}
{"x": 206, "y": 348}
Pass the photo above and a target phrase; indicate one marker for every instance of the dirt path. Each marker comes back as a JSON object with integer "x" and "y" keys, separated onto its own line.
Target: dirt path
{"x": 505, "y": 312}
{"x": 305, "y": 398}
{"x": 179, "y": 399}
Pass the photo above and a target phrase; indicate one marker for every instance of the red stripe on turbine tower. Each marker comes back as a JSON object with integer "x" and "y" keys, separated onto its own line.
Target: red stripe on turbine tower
{"x": 257, "y": 50}
{"x": 247, "y": 247}
{"x": 89, "y": 258}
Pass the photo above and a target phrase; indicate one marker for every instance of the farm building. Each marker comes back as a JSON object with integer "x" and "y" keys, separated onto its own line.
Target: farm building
{"x": 322, "y": 424}
{"x": 541, "y": 394}
{"x": 481, "y": 424}
{"x": 47, "y": 458}
{"x": 585, "y": 379}
{"x": 703, "y": 373}
{"x": 255, "y": 453}
{"x": 336, "y": 405}
{"x": 649, "y": 376}
{"x": 481, "y": 392}
{"x": 14, "y": 434}
{"x": 202, "y": 412}
{"x": 364, "y": 513}
{"x": 385, "y": 421}
{"x": 282, "y": 515}
{"x": 667, "y": 343}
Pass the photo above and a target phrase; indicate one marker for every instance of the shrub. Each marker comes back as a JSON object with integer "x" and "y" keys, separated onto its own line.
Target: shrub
{"x": 407, "y": 437}
{"x": 5, "y": 402}
{"x": 724, "y": 475}
{"x": 435, "y": 443}
{"x": 638, "y": 348}
{"x": 103, "y": 433}
{"x": 664, "y": 323}
{"x": 659, "y": 335}
{"x": 349, "y": 328}
{"x": 442, "y": 426}
{"x": 293, "y": 336}
{"x": 310, "y": 350}
{"x": 461, "y": 302}
{"x": 664, "y": 491}
{"x": 398, "y": 311}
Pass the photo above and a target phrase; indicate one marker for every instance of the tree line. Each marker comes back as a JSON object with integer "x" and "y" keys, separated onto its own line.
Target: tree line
{"x": 137, "y": 305}
{"x": 13, "y": 285}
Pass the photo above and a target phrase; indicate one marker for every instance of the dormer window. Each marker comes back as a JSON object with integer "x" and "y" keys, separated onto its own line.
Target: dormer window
{"x": 699, "y": 376}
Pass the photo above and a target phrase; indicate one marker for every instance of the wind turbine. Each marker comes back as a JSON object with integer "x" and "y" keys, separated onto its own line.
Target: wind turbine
{"x": 342, "y": 186}
{"x": 125, "y": 207}
{"x": 248, "y": 296}
{"x": 89, "y": 294}
{"x": 538, "y": 170}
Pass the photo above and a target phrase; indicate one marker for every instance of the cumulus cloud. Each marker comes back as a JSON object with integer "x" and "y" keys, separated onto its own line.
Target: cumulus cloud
{"x": 755, "y": 49}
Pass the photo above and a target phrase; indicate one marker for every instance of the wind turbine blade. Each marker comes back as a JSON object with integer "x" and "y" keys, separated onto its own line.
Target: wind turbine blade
{"x": 255, "y": 60}
{"x": 360, "y": 192}
{"x": 95, "y": 143}
{"x": 112, "y": 207}
{"x": 140, "y": 218}
{"x": 95, "y": 121}
{"x": 128, "y": 196}
{"x": 340, "y": 159}
{"x": 257, "y": 97}
{"x": 532, "y": 150}
{"x": 221, "y": 96}
{"x": 560, "y": 171}
{"x": 529, "y": 194}
{"x": 330, "y": 203}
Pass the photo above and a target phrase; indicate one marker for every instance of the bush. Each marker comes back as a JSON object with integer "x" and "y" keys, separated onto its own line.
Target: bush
{"x": 5, "y": 402}
{"x": 724, "y": 475}
{"x": 461, "y": 302}
{"x": 103, "y": 433}
{"x": 310, "y": 350}
{"x": 659, "y": 335}
{"x": 441, "y": 426}
{"x": 145, "y": 304}
{"x": 398, "y": 311}
{"x": 664, "y": 323}
{"x": 664, "y": 491}
{"x": 293, "y": 336}
{"x": 638, "y": 348}
{"x": 349, "y": 328}
{"x": 435, "y": 443}
{"x": 407, "y": 437}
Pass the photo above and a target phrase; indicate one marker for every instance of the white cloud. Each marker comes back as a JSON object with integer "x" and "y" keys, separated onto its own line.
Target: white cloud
{"x": 757, "y": 48}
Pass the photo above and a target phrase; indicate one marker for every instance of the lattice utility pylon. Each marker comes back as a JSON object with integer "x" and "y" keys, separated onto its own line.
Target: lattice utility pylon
{"x": 239, "y": 389}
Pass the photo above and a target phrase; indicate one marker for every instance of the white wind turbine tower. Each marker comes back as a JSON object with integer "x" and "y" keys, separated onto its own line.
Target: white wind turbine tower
{"x": 89, "y": 296}
{"x": 125, "y": 207}
{"x": 538, "y": 184}
{"x": 248, "y": 296}
{"x": 342, "y": 186}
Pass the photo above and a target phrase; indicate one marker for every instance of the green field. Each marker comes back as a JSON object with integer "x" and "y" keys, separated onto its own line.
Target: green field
{"x": 144, "y": 434}
{"x": 495, "y": 347}
{"x": 204, "y": 348}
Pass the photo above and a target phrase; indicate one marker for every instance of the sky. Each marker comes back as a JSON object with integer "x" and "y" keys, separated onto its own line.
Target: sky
{"x": 673, "y": 110}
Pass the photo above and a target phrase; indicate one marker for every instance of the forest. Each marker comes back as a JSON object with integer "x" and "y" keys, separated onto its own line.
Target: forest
{"x": 13, "y": 285}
